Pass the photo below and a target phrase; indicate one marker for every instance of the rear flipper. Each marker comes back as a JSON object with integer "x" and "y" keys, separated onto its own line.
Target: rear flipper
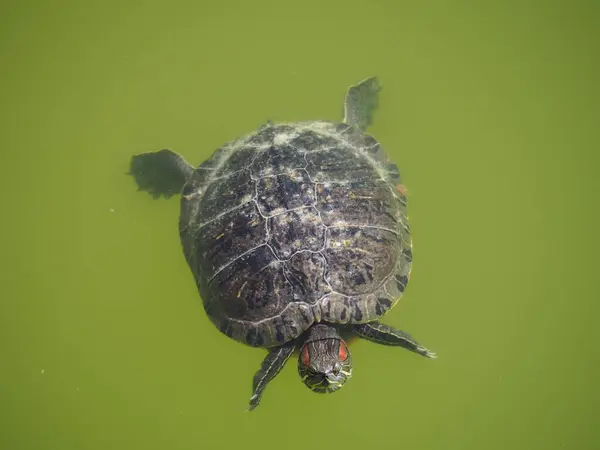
{"x": 160, "y": 173}
{"x": 360, "y": 103}
{"x": 386, "y": 335}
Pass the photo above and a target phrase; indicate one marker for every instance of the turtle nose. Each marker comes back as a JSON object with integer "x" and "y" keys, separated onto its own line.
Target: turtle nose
{"x": 332, "y": 377}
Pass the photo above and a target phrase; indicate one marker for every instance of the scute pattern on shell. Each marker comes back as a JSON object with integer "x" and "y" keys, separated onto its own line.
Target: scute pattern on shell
{"x": 296, "y": 224}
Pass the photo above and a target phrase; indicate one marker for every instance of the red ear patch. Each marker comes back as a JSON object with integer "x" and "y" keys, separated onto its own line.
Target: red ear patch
{"x": 305, "y": 356}
{"x": 343, "y": 351}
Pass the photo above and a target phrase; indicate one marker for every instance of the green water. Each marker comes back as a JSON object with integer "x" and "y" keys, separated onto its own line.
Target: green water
{"x": 490, "y": 109}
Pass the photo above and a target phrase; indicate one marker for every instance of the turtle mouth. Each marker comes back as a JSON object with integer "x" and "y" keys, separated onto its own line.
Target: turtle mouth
{"x": 326, "y": 383}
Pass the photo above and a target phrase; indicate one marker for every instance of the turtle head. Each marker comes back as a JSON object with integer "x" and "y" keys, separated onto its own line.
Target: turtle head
{"x": 324, "y": 362}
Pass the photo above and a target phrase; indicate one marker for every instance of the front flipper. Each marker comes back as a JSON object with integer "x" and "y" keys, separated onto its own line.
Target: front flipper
{"x": 386, "y": 335}
{"x": 361, "y": 102}
{"x": 160, "y": 173}
{"x": 271, "y": 365}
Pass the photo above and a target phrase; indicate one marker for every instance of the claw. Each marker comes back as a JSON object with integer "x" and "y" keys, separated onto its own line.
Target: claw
{"x": 427, "y": 353}
{"x": 254, "y": 400}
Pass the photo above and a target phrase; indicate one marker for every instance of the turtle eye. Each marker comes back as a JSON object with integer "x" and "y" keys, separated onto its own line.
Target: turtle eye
{"x": 343, "y": 352}
{"x": 305, "y": 356}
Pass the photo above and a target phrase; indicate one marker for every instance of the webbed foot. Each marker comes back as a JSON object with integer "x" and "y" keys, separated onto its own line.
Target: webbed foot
{"x": 161, "y": 173}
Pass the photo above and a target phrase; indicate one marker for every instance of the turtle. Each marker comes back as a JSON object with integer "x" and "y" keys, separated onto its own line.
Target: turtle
{"x": 297, "y": 236}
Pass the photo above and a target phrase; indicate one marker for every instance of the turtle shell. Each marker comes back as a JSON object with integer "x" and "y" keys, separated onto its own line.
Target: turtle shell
{"x": 296, "y": 224}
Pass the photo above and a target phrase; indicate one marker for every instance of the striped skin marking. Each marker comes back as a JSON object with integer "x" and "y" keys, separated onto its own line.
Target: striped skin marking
{"x": 386, "y": 335}
{"x": 275, "y": 360}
